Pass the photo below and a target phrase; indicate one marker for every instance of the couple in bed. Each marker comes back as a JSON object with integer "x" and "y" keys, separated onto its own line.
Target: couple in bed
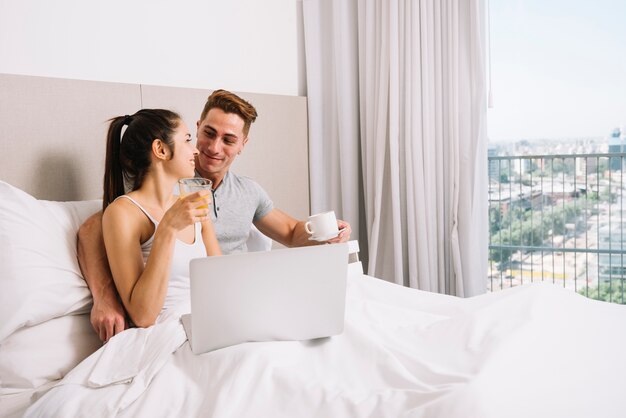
{"x": 140, "y": 247}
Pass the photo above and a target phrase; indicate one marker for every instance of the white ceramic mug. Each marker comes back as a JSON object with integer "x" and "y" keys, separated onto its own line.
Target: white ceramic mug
{"x": 322, "y": 226}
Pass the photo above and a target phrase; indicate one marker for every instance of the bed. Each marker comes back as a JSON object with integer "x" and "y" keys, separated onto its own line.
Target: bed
{"x": 532, "y": 351}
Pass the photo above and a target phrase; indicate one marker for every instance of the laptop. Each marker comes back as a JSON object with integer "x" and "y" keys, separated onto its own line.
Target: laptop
{"x": 286, "y": 294}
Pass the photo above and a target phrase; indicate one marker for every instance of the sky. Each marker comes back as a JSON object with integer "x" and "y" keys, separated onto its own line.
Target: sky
{"x": 558, "y": 68}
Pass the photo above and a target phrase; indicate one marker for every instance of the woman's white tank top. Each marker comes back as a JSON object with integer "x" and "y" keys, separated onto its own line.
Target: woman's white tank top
{"x": 177, "y": 299}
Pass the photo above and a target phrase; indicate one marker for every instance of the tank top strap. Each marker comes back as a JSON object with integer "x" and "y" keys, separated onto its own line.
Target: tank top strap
{"x": 140, "y": 207}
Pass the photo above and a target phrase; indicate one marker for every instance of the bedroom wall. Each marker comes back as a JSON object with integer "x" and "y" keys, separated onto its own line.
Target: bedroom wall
{"x": 52, "y": 134}
{"x": 241, "y": 45}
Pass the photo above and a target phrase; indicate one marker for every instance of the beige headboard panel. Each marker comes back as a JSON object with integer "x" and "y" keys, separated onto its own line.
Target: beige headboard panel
{"x": 52, "y": 133}
{"x": 52, "y": 136}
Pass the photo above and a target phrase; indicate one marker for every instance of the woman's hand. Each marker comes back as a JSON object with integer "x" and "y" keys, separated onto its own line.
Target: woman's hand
{"x": 187, "y": 210}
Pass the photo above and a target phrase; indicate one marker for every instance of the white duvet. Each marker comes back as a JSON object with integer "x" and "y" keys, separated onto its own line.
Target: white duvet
{"x": 531, "y": 351}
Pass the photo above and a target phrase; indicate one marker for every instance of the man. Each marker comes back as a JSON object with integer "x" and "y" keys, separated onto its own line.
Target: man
{"x": 238, "y": 202}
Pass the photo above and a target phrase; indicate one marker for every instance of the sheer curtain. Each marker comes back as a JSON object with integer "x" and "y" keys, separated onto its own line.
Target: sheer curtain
{"x": 397, "y": 107}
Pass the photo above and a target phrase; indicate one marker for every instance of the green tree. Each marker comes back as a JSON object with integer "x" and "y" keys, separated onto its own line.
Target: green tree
{"x": 609, "y": 292}
{"x": 556, "y": 166}
{"x": 607, "y": 196}
{"x": 522, "y": 228}
{"x": 495, "y": 220}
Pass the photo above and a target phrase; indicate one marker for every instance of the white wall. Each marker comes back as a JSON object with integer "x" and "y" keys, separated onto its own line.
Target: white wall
{"x": 242, "y": 45}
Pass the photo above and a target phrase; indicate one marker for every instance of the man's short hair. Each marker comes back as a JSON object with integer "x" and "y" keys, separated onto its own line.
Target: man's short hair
{"x": 231, "y": 103}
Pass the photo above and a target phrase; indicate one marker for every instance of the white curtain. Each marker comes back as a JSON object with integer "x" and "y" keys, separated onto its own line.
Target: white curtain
{"x": 397, "y": 134}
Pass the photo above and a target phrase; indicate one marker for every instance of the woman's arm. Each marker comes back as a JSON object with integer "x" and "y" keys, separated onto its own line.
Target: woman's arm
{"x": 210, "y": 240}
{"x": 143, "y": 288}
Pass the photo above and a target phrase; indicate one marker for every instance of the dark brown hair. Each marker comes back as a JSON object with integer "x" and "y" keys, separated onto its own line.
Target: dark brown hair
{"x": 128, "y": 154}
{"x": 231, "y": 103}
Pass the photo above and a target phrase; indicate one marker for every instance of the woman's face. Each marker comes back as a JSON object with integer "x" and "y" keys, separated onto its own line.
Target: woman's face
{"x": 183, "y": 162}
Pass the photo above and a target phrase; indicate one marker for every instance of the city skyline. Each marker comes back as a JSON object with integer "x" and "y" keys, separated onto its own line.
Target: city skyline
{"x": 558, "y": 69}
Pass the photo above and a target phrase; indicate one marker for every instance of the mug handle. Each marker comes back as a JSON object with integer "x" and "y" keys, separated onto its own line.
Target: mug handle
{"x": 306, "y": 228}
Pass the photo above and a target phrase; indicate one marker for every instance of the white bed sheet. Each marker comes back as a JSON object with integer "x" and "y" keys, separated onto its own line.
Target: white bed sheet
{"x": 536, "y": 350}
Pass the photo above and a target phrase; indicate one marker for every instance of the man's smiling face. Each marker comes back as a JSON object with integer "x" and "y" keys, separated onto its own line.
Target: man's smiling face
{"x": 220, "y": 140}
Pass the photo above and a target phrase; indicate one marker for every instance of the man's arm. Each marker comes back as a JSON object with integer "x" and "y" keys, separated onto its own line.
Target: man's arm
{"x": 291, "y": 233}
{"x": 107, "y": 314}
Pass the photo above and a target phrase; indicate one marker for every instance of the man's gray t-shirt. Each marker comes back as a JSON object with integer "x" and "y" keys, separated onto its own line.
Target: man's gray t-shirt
{"x": 237, "y": 203}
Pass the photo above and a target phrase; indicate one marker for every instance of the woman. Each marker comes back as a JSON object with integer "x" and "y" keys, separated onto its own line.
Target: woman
{"x": 149, "y": 233}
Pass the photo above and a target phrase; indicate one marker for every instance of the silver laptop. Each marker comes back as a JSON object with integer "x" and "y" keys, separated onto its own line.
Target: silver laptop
{"x": 287, "y": 294}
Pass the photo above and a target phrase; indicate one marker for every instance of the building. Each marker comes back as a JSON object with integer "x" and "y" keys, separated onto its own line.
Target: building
{"x": 494, "y": 169}
{"x": 612, "y": 236}
{"x": 617, "y": 144}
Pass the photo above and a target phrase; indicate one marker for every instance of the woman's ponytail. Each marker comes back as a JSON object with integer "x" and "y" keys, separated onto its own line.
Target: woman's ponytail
{"x": 128, "y": 155}
{"x": 113, "y": 174}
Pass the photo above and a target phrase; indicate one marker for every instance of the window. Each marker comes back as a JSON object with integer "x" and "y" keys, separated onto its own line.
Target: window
{"x": 557, "y": 132}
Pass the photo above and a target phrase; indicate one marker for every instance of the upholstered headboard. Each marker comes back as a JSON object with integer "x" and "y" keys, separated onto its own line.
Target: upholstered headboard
{"x": 52, "y": 136}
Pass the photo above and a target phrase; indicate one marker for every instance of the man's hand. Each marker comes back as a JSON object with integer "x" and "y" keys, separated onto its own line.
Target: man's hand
{"x": 107, "y": 314}
{"x": 291, "y": 233}
{"x": 108, "y": 317}
{"x": 344, "y": 233}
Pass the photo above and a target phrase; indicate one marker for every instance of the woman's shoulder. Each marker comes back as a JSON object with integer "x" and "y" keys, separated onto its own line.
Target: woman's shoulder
{"x": 123, "y": 212}
{"x": 121, "y": 204}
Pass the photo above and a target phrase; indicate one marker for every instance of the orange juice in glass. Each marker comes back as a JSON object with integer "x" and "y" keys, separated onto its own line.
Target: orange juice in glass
{"x": 191, "y": 185}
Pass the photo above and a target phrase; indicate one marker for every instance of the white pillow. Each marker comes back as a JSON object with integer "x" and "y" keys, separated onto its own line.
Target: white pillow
{"x": 39, "y": 274}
